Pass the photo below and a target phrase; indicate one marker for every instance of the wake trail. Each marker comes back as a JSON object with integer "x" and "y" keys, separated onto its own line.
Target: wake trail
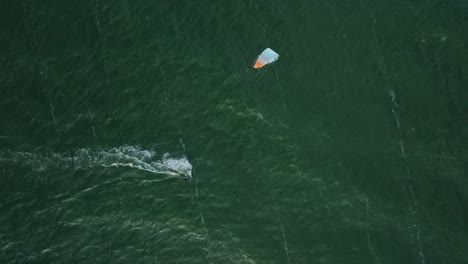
{"x": 383, "y": 69}
{"x": 101, "y": 39}
{"x": 285, "y": 243}
{"x": 87, "y": 159}
{"x": 368, "y": 235}
{"x": 369, "y": 241}
{"x": 91, "y": 116}
{"x": 180, "y": 140}
{"x": 282, "y": 92}
{"x": 412, "y": 209}
{"x": 200, "y": 213}
{"x": 223, "y": 125}
{"x": 164, "y": 84}
{"x": 279, "y": 216}
{"x": 277, "y": 208}
{"x": 189, "y": 175}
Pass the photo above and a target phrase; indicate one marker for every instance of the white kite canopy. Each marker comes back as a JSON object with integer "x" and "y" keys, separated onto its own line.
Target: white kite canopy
{"x": 266, "y": 57}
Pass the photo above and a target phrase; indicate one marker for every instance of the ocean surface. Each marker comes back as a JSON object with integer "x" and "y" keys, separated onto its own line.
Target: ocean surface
{"x": 138, "y": 132}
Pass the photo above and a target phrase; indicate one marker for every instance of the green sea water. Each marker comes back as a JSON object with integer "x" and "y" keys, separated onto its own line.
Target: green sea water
{"x": 351, "y": 148}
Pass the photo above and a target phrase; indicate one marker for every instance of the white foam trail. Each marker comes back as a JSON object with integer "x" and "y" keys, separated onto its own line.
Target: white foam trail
{"x": 95, "y": 13}
{"x": 383, "y": 69}
{"x": 52, "y": 112}
{"x": 101, "y": 38}
{"x": 86, "y": 159}
{"x": 180, "y": 140}
{"x": 94, "y": 132}
{"x": 282, "y": 92}
{"x": 182, "y": 143}
{"x": 164, "y": 84}
{"x": 200, "y": 213}
{"x": 369, "y": 240}
{"x": 92, "y": 121}
{"x": 410, "y": 186}
{"x": 285, "y": 241}
{"x": 198, "y": 205}
{"x": 279, "y": 217}
{"x": 133, "y": 166}
{"x": 371, "y": 248}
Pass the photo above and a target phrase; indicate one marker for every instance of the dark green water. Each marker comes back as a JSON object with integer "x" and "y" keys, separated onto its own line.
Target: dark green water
{"x": 352, "y": 148}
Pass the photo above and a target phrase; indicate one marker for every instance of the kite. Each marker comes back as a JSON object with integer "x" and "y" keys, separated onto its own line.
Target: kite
{"x": 266, "y": 57}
